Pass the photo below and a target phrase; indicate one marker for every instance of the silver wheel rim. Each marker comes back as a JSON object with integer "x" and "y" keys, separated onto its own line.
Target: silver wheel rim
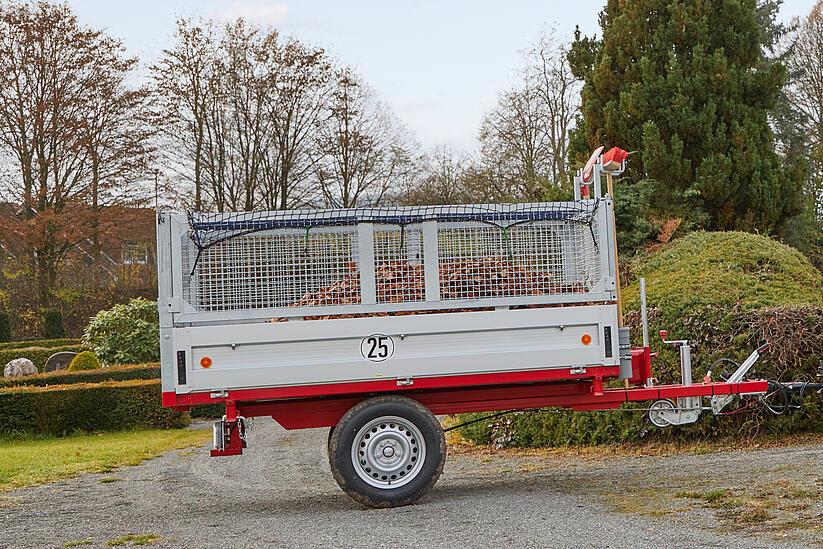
{"x": 388, "y": 452}
{"x": 656, "y": 411}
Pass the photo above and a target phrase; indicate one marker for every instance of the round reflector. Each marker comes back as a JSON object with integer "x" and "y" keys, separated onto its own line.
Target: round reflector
{"x": 205, "y": 362}
{"x": 586, "y": 339}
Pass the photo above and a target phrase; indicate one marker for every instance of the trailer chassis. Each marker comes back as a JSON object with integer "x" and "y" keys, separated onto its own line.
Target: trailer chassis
{"x": 301, "y": 408}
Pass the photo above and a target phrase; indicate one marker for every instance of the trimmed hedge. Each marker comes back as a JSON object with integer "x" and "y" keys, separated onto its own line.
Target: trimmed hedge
{"x": 66, "y": 409}
{"x": 208, "y": 411}
{"x": 65, "y": 377}
{"x": 45, "y": 343}
{"x": 38, "y": 355}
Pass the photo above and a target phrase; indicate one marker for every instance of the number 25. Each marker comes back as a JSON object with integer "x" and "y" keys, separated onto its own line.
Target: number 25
{"x": 378, "y": 349}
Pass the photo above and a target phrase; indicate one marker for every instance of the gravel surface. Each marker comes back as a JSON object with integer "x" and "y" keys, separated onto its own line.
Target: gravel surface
{"x": 280, "y": 494}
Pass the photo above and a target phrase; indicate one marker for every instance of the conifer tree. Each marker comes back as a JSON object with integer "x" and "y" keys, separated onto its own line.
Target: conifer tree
{"x": 687, "y": 85}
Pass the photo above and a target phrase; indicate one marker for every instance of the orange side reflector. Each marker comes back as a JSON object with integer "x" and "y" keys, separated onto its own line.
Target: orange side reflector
{"x": 205, "y": 362}
{"x": 586, "y": 339}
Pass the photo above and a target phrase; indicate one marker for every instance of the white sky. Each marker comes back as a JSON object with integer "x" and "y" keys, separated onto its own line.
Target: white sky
{"x": 439, "y": 64}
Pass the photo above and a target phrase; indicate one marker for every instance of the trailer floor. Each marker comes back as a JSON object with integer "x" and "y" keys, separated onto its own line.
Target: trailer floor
{"x": 280, "y": 494}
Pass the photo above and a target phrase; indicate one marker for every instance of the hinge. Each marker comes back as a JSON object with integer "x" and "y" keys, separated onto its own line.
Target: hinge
{"x": 405, "y": 381}
{"x": 578, "y": 370}
{"x": 175, "y": 305}
{"x": 219, "y": 394}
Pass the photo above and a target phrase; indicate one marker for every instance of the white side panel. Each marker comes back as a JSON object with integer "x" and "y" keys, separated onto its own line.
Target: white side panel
{"x": 328, "y": 351}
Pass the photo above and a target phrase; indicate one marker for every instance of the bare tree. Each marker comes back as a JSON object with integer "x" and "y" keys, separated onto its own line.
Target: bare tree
{"x": 524, "y": 138}
{"x": 514, "y": 140}
{"x": 239, "y": 105}
{"x": 181, "y": 94}
{"x": 67, "y": 122}
{"x": 441, "y": 178}
{"x": 806, "y": 96}
{"x": 362, "y": 148}
{"x": 549, "y": 74}
{"x": 302, "y": 91}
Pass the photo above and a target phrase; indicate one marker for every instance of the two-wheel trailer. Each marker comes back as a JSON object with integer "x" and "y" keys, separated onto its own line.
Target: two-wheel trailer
{"x": 372, "y": 321}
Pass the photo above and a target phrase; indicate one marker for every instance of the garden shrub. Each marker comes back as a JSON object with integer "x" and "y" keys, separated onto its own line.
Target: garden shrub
{"x": 125, "y": 334}
{"x": 5, "y": 327}
{"x": 65, "y": 377}
{"x": 208, "y": 411}
{"x": 38, "y": 355}
{"x": 46, "y": 343}
{"x": 84, "y": 361}
{"x": 66, "y": 409}
{"x": 53, "y": 324}
{"x": 725, "y": 292}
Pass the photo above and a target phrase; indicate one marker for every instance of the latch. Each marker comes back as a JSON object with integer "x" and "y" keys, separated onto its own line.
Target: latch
{"x": 219, "y": 394}
{"x": 404, "y": 382}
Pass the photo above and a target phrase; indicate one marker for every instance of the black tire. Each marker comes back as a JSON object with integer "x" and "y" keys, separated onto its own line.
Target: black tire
{"x": 423, "y": 474}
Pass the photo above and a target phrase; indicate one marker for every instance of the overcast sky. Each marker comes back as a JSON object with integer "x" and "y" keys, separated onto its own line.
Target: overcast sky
{"x": 439, "y": 64}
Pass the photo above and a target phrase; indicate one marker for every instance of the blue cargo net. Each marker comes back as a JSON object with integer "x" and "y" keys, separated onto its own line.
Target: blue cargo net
{"x": 208, "y": 229}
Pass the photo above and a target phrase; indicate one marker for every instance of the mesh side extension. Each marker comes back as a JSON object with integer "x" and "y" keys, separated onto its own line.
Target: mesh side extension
{"x": 312, "y": 259}
{"x": 209, "y": 228}
{"x": 540, "y": 258}
{"x": 266, "y": 270}
{"x": 398, "y": 265}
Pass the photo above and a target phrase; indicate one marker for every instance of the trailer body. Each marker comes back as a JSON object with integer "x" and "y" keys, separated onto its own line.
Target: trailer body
{"x": 310, "y": 316}
{"x": 232, "y": 316}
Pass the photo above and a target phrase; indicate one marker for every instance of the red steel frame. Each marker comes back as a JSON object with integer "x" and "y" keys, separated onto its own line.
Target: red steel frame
{"x": 307, "y": 406}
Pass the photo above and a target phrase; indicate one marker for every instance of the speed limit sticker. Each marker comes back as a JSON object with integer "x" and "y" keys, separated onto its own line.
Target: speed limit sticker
{"x": 377, "y": 347}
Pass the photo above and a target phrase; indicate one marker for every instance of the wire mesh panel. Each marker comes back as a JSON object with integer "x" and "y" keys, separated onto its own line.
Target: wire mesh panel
{"x": 387, "y": 257}
{"x": 398, "y": 264}
{"x": 274, "y": 269}
{"x": 479, "y": 262}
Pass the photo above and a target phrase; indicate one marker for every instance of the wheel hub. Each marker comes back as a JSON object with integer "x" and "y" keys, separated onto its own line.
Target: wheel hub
{"x": 388, "y": 452}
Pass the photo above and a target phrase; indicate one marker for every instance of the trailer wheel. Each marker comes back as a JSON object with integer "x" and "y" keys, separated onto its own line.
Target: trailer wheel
{"x": 387, "y": 451}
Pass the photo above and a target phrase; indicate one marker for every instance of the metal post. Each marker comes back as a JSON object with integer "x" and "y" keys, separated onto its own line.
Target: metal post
{"x": 686, "y": 363}
{"x": 644, "y": 313}
{"x": 610, "y": 190}
{"x": 365, "y": 263}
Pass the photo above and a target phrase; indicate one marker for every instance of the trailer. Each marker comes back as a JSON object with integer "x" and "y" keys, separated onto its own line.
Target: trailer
{"x": 372, "y": 321}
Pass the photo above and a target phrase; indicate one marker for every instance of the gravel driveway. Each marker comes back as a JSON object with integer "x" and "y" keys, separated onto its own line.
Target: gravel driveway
{"x": 280, "y": 494}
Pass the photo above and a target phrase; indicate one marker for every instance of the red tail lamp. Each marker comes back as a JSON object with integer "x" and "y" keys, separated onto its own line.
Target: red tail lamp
{"x": 206, "y": 362}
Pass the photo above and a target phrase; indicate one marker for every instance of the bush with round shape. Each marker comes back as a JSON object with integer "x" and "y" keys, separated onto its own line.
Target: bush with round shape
{"x": 84, "y": 361}
{"x": 128, "y": 333}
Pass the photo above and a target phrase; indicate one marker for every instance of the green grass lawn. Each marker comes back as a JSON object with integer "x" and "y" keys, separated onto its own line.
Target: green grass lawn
{"x": 30, "y": 461}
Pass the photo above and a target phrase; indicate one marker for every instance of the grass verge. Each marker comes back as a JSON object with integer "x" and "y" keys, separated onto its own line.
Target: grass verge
{"x": 31, "y": 461}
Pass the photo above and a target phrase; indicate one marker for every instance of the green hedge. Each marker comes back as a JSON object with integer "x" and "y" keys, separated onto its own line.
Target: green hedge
{"x": 46, "y": 343}
{"x": 38, "y": 355}
{"x": 66, "y": 409}
{"x": 727, "y": 293}
{"x": 65, "y": 377}
{"x": 208, "y": 411}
